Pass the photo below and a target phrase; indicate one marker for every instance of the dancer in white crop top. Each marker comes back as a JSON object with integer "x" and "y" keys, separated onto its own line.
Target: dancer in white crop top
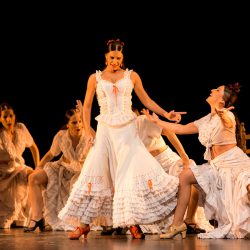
{"x": 225, "y": 178}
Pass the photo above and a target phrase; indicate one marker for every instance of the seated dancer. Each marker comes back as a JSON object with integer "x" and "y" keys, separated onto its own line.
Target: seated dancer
{"x": 14, "y": 139}
{"x": 51, "y": 182}
{"x": 224, "y": 180}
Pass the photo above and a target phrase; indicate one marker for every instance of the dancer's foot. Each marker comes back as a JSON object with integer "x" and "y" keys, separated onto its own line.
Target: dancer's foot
{"x": 34, "y": 224}
{"x": 79, "y": 231}
{"x": 193, "y": 229}
{"x": 175, "y": 230}
{"x": 136, "y": 232}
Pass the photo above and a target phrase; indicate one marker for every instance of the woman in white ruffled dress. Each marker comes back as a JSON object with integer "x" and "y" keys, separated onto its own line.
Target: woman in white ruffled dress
{"x": 14, "y": 139}
{"x": 224, "y": 179}
{"x": 120, "y": 179}
{"x": 51, "y": 182}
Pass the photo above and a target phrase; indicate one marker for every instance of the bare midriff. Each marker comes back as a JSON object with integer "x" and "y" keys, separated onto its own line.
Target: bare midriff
{"x": 217, "y": 150}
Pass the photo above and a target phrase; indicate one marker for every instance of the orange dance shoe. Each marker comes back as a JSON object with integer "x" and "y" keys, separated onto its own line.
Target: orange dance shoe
{"x": 79, "y": 231}
{"x": 136, "y": 232}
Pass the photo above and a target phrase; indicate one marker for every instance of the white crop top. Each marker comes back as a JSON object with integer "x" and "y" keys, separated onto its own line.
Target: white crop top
{"x": 213, "y": 132}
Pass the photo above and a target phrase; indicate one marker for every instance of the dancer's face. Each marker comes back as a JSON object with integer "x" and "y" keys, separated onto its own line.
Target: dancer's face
{"x": 75, "y": 125}
{"x": 8, "y": 119}
{"x": 114, "y": 60}
{"x": 216, "y": 96}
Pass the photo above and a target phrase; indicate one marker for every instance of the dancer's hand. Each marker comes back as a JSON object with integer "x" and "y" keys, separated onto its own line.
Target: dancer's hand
{"x": 89, "y": 140}
{"x": 153, "y": 118}
{"x": 174, "y": 116}
{"x": 79, "y": 106}
{"x": 223, "y": 111}
{"x": 88, "y": 143}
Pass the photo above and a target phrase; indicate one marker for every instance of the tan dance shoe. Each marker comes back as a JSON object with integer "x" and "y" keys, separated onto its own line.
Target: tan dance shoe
{"x": 174, "y": 230}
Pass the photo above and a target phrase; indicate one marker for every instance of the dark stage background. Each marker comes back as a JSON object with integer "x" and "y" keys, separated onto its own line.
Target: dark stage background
{"x": 45, "y": 69}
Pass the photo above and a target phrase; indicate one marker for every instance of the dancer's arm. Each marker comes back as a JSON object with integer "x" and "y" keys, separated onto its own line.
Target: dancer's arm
{"x": 223, "y": 114}
{"x": 149, "y": 103}
{"x": 174, "y": 140}
{"x": 87, "y": 106}
{"x": 35, "y": 153}
{"x": 180, "y": 129}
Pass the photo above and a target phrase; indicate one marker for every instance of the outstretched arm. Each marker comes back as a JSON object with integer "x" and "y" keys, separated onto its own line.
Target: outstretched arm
{"x": 149, "y": 103}
{"x": 180, "y": 129}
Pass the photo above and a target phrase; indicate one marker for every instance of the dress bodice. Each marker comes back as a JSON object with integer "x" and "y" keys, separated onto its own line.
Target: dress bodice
{"x": 63, "y": 143}
{"x": 115, "y": 100}
{"x": 12, "y": 150}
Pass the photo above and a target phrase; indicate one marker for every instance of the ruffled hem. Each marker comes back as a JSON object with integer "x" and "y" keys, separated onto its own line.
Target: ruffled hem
{"x": 117, "y": 119}
{"x": 87, "y": 203}
{"x": 145, "y": 205}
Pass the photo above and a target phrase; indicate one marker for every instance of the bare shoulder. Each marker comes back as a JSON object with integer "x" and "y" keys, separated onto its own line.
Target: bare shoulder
{"x": 92, "y": 80}
{"x": 135, "y": 76}
{"x": 134, "y": 73}
{"x": 92, "y": 77}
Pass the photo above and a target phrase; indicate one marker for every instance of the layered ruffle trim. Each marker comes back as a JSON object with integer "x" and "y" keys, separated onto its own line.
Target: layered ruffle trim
{"x": 152, "y": 201}
{"x": 85, "y": 207}
{"x": 88, "y": 200}
{"x": 146, "y": 202}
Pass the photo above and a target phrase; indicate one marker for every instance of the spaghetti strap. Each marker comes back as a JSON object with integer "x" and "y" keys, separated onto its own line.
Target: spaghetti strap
{"x": 98, "y": 75}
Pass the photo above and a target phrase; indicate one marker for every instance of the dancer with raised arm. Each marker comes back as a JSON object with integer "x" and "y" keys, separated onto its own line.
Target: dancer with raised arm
{"x": 224, "y": 179}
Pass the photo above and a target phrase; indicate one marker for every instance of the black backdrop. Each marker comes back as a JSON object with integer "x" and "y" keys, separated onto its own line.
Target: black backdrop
{"x": 45, "y": 69}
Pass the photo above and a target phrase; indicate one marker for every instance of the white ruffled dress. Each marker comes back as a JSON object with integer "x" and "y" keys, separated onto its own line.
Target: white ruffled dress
{"x": 120, "y": 179}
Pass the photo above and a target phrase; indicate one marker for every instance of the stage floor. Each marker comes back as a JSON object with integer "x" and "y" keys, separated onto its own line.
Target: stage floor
{"x": 16, "y": 239}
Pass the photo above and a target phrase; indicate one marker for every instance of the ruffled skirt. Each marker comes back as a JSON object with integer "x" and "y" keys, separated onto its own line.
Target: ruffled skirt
{"x": 223, "y": 182}
{"x": 14, "y": 204}
{"x": 121, "y": 181}
{"x": 56, "y": 194}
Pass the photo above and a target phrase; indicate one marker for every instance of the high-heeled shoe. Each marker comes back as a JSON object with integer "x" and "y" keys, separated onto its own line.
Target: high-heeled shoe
{"x": 40, "y": 223}
{"x": 174, "y": 230}
{"x": 79, "y": 231}
{"x": 136, "y": 232}
{"x": 192, "y": 228}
